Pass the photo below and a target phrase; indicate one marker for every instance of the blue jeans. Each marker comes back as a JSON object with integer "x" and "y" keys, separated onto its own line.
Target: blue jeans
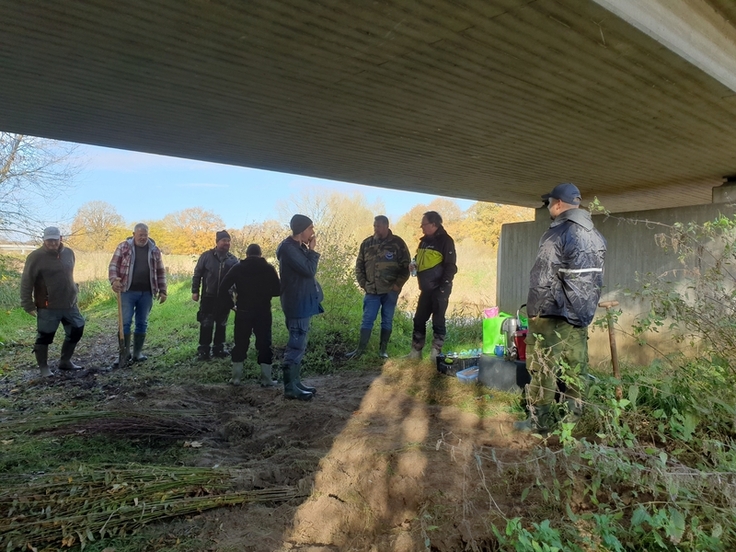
{"x": 297, "y": 344}
{"x": 140, "y": 302}
{"x": 386, "y": 302}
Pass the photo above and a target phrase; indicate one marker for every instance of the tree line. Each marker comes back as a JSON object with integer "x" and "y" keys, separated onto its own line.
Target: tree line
{"x": 342, "y": 221}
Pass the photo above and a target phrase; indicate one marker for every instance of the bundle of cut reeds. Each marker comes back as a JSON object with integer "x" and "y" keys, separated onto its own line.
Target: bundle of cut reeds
{"x": 68, "y": 508}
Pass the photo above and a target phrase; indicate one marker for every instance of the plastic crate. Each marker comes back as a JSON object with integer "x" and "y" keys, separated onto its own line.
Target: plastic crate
{"x": 469, "y": 375}
{"x": 452, "y": 365}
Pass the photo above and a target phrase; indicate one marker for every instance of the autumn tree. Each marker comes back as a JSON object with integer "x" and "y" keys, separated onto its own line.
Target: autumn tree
{"x": 267, "y": 234}
{"x": 408, "y": 226}
{"x": 483, "y": 221}
{"x": 97, "y": 226}
{"x": 190, "y": 231}
{"x": 33, "y": 172}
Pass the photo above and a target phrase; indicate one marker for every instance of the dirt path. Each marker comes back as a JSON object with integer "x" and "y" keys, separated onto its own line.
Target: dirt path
{"x": 380, "y": 468}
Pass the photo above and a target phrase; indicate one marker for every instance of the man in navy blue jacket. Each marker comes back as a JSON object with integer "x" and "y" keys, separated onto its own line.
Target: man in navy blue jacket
{"x": 301, "y": 296}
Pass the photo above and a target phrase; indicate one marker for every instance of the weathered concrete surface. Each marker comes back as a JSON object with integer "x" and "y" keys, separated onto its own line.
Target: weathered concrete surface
{"x": 492, "y": 100}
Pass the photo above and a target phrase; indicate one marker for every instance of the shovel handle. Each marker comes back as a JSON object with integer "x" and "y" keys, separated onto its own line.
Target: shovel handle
{"x": 608, "y": 304}
{"x": 121, "y": 336}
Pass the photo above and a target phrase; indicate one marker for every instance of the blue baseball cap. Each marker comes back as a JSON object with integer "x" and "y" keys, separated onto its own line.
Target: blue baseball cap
{"x": 567, "y": 192}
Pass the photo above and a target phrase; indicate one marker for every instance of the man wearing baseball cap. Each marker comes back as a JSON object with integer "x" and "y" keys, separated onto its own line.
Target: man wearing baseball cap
{"x": 564, "y": 289}
{"x": 48, "y": 292}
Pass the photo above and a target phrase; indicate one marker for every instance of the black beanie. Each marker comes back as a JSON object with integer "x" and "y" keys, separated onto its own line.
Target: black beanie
{"x": 254, "y": 250}
{"x": 299, "y": 223}
{"x": 221, "y": 234}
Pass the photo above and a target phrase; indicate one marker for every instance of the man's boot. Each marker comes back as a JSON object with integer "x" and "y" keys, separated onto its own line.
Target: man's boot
{"x": 237, "y": 373}
{"x": 382, "y": 348}
{"x": 126, "y": 348}
{"x": 437, "y": 343}
{"x": 417, "y": 344}
{"x": 537, "y": 422}
{"x": 574, "y": 410}
{"x": 203, "y": 353}
{"x": 42, "y": 359}
{"x": 138, "y": 341}
{"x": 266, "y": 377}
{"x": 291, "y": 391}
{"x": 297, "y": 371}
{"x": 365, "y": 336}
{"x": 65, "y": 360}
{"x": 219, "y": 351}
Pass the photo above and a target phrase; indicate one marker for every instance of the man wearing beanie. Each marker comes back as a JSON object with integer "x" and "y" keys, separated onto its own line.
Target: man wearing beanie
{"x": 301, "y": 296}
{"x": 255, "y": 282}
{"x": 211, "y": 269}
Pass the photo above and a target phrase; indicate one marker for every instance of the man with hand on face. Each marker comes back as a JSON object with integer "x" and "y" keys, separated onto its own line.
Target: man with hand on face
{"x": 48, "y": 292}
{"x": 209, "y": 273}
{"x": 301, "y": 296}
{"x": 137, "y": 271}
{"x": 564, "y": 290}
{"x": 436, "y": 265}
{"x": 382, "y": 269}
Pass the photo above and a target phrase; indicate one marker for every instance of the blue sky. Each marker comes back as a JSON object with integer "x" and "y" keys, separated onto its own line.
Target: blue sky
{"x": 148, "y": 187}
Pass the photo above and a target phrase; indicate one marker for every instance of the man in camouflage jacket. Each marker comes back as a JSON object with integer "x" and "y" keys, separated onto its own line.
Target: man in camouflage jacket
{"x": 382, "y": 269}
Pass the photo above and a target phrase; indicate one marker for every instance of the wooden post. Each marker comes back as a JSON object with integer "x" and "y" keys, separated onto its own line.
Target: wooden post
{"x": 612, "y": 338}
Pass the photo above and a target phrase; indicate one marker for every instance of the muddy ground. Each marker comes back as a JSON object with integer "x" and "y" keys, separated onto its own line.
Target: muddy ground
{"x": 380, "y": 467}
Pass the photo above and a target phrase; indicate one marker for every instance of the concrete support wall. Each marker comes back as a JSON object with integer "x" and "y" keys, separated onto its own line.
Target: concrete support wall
{"x": 632, "y": 249}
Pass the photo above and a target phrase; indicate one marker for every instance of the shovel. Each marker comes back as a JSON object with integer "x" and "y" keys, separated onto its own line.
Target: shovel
{"x": 612, "y": 338}
{"x": 122, "y": 349}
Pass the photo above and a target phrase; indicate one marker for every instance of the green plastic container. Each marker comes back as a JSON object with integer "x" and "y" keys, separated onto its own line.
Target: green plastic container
{"x": 492, "y": 335}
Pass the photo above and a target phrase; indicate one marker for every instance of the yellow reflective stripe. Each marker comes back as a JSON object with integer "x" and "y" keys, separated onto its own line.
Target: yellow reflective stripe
{"x": 428, "y": 258}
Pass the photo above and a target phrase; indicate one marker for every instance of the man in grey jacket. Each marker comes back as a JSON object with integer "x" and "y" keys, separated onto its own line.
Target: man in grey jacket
{"x": 48, "y": 292}
{"x": 210, "y": 271}
{"x": 565, "y": 286}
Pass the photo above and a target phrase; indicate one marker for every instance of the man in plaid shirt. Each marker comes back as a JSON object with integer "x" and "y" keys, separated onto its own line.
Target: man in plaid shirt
{"x": 137, "y": 271}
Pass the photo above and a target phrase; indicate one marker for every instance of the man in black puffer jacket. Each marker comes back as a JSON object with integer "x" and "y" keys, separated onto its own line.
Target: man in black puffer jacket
{"x": 436, "y": 266}
{"x": 565, "y": 286}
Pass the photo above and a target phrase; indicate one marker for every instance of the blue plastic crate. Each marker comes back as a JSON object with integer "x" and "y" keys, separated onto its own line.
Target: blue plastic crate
{"x": 469, "y": 375}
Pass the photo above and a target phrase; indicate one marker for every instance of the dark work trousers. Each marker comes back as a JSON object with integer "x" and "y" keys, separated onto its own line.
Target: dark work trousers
{"x": 431, "y": 303}
{"x": 209, "y": 321}
{"x": 256, "y": 322}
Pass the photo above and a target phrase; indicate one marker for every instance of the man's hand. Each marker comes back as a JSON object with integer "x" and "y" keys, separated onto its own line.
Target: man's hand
{"x": 117, "y": 285}
{"x": 395, "y": 288}
{"x": 312, "y": 243}
{"x": 162, "y": 297}
{"x": 32, "y": 312}
{"x": 195, "y": 297}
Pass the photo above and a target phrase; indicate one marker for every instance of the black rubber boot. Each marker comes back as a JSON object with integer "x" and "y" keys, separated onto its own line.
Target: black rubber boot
{"x": 299, "y": 384}
{"x": 65, "y": 360}
{"x": 138, "y": 341}
{"x": 126, "y": 346}
{"x": 42, "y": 359}
{"x": 291, "y": 391}
{"x": 365, "y": 336}
{"x": 382, "y": 348}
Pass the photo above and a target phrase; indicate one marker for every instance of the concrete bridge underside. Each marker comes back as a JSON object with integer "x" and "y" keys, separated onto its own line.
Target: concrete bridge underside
{"x": 493, "y": 100}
